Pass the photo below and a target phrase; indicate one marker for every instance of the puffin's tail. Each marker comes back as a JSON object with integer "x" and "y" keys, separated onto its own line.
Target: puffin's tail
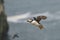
{"x": 41, "y": 27}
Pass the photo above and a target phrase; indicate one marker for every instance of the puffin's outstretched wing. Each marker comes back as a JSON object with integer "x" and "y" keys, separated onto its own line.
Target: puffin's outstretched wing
{"x": 43, "y": 17}
{"x": 40, "y": 17}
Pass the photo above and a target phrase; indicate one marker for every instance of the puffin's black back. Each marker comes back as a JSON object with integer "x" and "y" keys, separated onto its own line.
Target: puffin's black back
{"x": 34, "y": 18}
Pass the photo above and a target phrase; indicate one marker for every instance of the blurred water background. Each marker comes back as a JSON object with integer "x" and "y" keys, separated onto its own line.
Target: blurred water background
{"x": 29, "y": 8}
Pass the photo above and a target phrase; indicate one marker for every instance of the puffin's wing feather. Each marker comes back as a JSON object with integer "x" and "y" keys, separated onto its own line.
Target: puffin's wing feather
{"x": 41, "y": 27}
{"x": 38, "y": 19}
{"x": 43, "y": 17}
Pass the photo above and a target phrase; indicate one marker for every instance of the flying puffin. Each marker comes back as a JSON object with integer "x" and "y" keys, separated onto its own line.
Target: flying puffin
{"x": 36, "y": 21}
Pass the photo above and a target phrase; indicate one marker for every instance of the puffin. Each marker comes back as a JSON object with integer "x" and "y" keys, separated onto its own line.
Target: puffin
{"x": 36, "y": 21}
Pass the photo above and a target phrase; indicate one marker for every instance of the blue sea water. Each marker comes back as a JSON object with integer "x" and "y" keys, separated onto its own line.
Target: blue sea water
{"x": 27, "y": 31}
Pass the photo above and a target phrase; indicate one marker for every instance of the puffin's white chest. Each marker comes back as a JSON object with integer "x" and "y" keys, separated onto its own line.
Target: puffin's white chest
{"x": 35, "y": 23}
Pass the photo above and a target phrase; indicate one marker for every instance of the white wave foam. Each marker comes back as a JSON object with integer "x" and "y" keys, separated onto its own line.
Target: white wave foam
{"x": 50, "y": 17}
{"x": 17, "y": 17}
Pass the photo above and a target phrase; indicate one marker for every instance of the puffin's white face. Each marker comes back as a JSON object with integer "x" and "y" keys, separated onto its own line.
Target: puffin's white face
{"x": 29, "y": 20}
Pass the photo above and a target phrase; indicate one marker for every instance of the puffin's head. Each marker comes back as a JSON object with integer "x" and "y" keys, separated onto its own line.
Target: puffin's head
{"x": 29, "y": 20}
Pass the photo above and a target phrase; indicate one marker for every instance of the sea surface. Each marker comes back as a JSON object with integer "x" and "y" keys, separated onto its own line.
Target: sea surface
{"x": 18, "y": 11}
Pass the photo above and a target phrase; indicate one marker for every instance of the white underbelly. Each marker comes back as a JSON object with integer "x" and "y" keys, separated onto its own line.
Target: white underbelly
{"x": 35, "y": 23}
